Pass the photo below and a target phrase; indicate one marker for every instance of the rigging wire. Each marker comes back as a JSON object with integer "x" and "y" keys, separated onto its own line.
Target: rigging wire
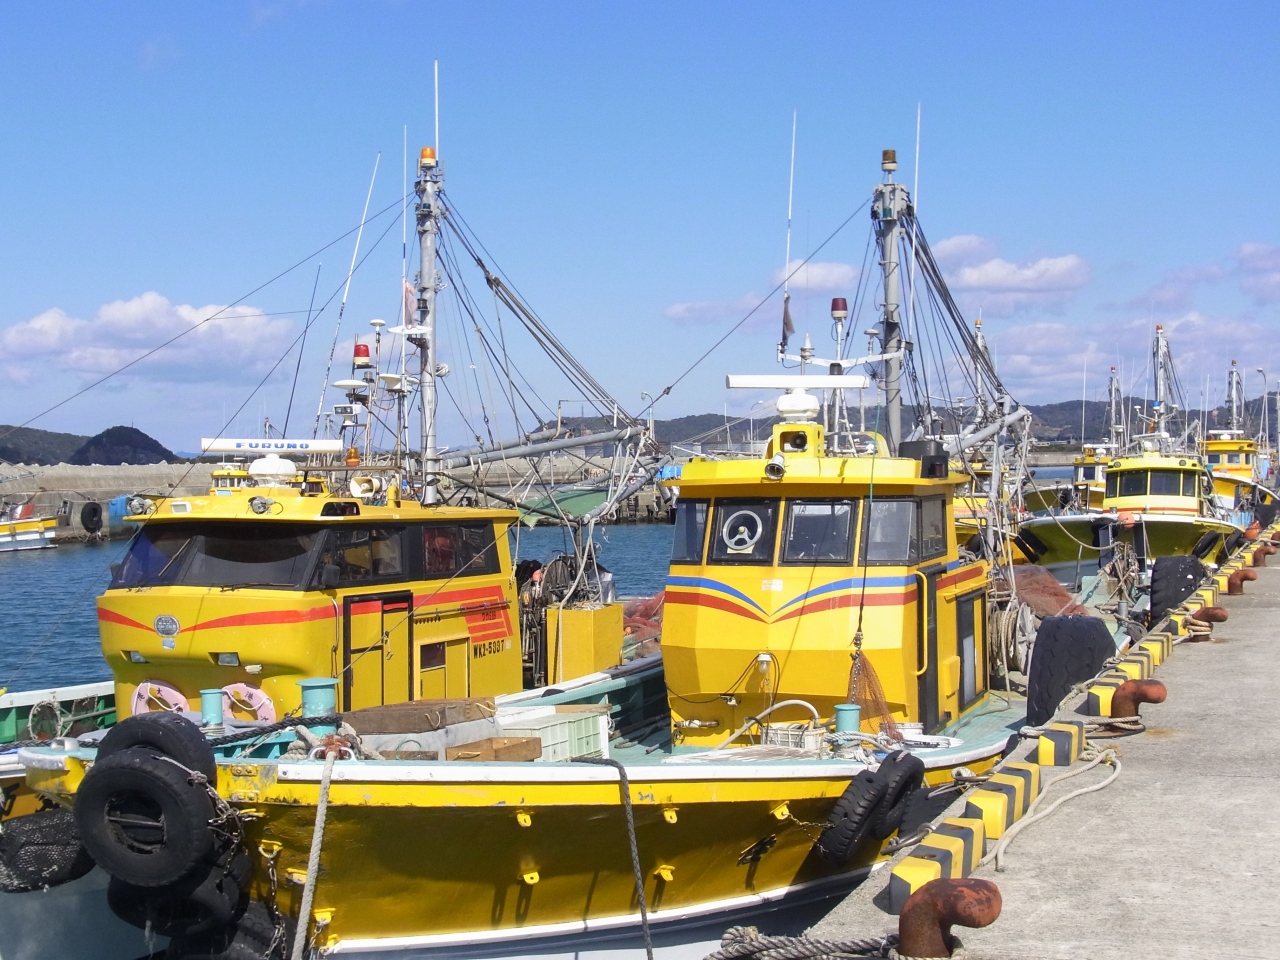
{"x": 196, "y": 326}
{"x": 752, "y": 312}
{"x": 301, "y": 350}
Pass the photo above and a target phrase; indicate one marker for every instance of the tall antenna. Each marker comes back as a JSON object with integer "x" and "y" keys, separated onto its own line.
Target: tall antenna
{"x": 915, "y": 200}
{"x": 437, "y": 78}
{"x": 787, "y": 327}
{"x": 1084, "y": 397}
{"x": 315, "y": 431}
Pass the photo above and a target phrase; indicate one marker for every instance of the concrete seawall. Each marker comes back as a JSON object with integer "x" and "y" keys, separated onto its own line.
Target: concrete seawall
{"x": 48, "y": 487}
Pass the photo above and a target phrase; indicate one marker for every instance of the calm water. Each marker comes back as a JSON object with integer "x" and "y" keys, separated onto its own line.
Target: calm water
{"x": 49, "y": 628}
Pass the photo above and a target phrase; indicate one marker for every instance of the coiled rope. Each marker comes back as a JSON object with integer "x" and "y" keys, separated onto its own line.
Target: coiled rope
{"x": 739, "y": 942}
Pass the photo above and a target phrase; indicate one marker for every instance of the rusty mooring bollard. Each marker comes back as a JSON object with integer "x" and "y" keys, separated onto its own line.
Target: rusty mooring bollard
{"x": 924, "y": 927}
{"x": 1236, "y": 581}
{"x": 1124, "y": 702}
{"x": 1210, "y": 615}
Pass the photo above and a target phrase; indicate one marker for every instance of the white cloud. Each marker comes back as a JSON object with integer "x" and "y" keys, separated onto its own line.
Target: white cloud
{"x": 1001, "y": 288}
{"x": 819, "y": 276}
{"x": 962, "y": 250}
{"x": 1259, "y": 271}
{"x": 696, "y": 312}
{"x": 237, "y": 343}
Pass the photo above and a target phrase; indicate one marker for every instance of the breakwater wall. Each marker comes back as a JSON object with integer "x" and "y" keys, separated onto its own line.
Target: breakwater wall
{"x": 48, "y": 488}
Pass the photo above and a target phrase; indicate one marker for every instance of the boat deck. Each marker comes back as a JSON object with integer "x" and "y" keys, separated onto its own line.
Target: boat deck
{"x": 1177, "y": 858}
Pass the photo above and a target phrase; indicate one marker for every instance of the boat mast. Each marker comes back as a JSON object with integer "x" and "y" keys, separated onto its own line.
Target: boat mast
{"x": 1235, "y": 396}
{"x": 891, "y": 201}
{"x": 427, "y": 215}
{"x": 1115, "y": 410}
{"x": 1162, "y": 361}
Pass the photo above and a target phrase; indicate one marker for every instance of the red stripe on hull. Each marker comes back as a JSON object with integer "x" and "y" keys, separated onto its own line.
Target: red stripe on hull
{"x": 853, "y": 600}
{"x": 713, "y": 602}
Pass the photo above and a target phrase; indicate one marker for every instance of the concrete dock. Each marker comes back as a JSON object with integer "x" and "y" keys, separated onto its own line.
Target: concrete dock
{"x": 1180, "y": 856}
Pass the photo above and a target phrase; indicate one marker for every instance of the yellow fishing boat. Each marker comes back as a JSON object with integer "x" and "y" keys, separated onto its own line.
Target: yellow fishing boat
{"x": 22, "y": 529}
{"x": 825, "y": 655}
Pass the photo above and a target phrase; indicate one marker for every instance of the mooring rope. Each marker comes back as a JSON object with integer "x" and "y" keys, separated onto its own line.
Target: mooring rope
{"x": 313, "y": 858}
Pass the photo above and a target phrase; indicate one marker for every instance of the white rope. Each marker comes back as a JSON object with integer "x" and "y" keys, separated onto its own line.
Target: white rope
{"x": 1106, "y": 756}
{"x": 313, "y": 858}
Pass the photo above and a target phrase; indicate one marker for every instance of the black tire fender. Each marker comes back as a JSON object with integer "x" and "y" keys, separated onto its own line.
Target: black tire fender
{"x": 903, "y": 773}
{"x": 91, "y": 517}
{"x": 40, "y": 850}
{"x": 168, "y": 733}
{"x": 1173, "y": 579}
{"x": 850, "y": 819}
{"x": 1067, "y": 651}
{"x": 142, "y": 819}
{"x": 204, "y": 902}
{"x": 249, "y": 938}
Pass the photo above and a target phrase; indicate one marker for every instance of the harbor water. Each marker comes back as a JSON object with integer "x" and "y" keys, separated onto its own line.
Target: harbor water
{"x": 49, "y": 627}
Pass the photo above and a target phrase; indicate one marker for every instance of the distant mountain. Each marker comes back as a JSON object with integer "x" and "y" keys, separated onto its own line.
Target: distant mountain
{"x": 26, "y": 445}
{"x": 117, "y": 445}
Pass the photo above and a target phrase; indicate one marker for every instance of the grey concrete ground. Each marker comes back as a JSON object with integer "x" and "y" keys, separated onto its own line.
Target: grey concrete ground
{"x": 1180, "y": 857}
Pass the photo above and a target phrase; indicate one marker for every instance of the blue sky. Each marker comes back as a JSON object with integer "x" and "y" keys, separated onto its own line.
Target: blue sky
{"x": 1087, "y": 170}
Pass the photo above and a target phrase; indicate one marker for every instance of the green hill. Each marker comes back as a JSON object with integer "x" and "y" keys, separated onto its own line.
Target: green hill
{"x": 117, "y": 445}
{"x": 27, "y": 445}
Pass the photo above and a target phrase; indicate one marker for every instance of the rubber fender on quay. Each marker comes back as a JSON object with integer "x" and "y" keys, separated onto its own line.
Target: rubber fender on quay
{"x": 903, "y": 774}
{"x": 91, "y": 517}
{"x": 168, "y": 733}
{"x": 142, "y": 819}
{"x": 850, "y": 819}
{"x": 41, "y": 850}
{"x": 1067, "y": 651}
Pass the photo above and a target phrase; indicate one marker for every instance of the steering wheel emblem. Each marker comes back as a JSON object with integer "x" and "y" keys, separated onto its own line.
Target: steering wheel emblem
{"x": 742, "y": 531}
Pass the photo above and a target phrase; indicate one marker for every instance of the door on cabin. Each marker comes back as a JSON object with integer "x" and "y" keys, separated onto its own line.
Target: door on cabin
{"x": 377, "y": 666}
{"x": 443, "y": 665}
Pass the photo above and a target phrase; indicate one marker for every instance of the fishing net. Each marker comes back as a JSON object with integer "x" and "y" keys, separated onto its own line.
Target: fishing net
{"x": 865, "y": 690}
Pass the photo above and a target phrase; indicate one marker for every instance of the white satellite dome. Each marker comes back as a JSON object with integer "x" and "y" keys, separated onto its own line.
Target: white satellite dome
{"x": 272, "y": 471}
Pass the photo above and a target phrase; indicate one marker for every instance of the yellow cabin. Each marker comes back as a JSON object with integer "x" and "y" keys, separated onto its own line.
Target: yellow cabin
{"x": 252, "y": 589}
{"x": 774, "y": 570}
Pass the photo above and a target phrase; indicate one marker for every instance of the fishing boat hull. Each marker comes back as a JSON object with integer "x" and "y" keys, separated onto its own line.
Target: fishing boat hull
{"x": 1072, "y": 544}
{"x": 34, "y": 534}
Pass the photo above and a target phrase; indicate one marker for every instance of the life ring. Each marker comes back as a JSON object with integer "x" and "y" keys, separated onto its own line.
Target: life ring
{"x": 154, "y": 695}
{"x": 244, "y": 701}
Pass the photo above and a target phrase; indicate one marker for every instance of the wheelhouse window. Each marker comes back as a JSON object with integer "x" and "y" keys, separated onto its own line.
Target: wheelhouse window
{"x": 690, "y": 531}
{"x": 1190, "y": 482}
{"x": 1233, "y": 458}
{"x": 819, "y": 531}
{"x": 1166, "y": 483}
{"x": 889, "y": 533}
{"x": 365, "y": 554}
{"x": 219, "y": 553}
{"x": 933, "y": 527}
{"x": 743, "y": 531}
{"x": 459, "y": 549}
{"x": 1133, "y": 483}
{"x": 1215, "y": 458}
{"x": 1088, "y": 473}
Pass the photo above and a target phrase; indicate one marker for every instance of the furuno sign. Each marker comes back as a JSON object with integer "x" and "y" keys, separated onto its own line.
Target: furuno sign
{"x": 232, "y": 445}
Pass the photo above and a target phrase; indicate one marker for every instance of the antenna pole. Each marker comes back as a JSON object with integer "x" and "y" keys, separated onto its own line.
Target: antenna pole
{"x": 437, "y": 83}
{"x": 427, "y": 213}
{"x": 786, "y": 262}
{"x": 889, "y": 203}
